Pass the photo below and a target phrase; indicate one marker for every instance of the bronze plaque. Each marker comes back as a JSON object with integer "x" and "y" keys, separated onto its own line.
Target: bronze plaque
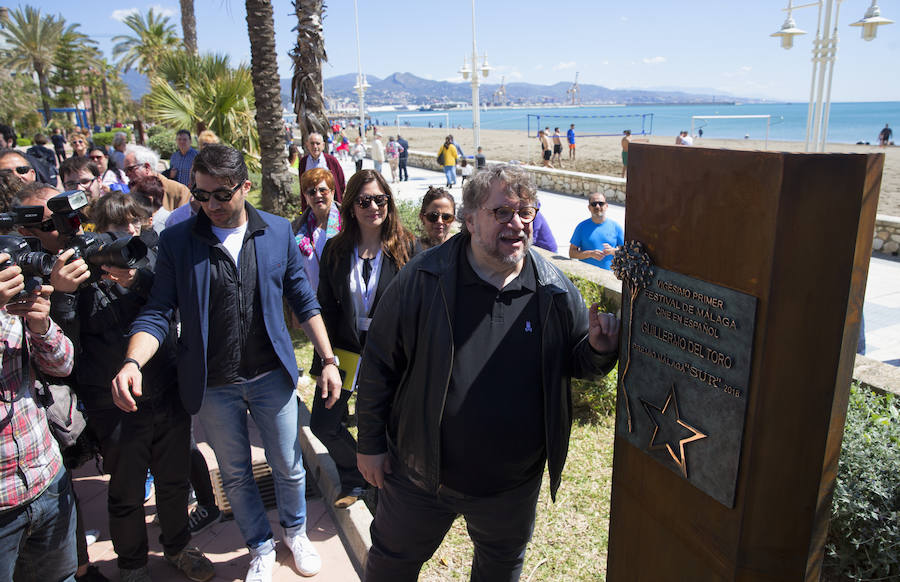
{"x": 683, "y": 375}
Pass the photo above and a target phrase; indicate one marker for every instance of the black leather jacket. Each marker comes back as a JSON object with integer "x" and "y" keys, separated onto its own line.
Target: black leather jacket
{"x": 408, "y": 359}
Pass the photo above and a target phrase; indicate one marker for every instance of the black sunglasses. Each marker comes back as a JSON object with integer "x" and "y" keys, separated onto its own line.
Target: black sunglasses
{"x": 223, "y": 195}
{"x": 598, "y": 204}
{"x": 21, "y": 170}
{"x": 379, "y": 199}
{"x": 434, "y": 216}
{"x": 320, "y": 190}
{"x": 504, "y": 214}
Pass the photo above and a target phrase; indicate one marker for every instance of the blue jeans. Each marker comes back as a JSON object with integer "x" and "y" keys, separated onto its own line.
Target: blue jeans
{"x": 37, "y": 540}
{"x": 272, "y": 403}
{"x": 450, "y": 172}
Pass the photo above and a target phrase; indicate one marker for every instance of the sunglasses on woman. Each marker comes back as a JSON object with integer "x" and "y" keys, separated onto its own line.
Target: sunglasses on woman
{"x": 320, "y": 190}
{"x": 445, "y": 217}
{"x": 379, "y": 200}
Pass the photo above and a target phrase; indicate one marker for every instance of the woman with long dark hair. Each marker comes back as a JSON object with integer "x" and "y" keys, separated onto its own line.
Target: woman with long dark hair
{"x": 356, "y": 267}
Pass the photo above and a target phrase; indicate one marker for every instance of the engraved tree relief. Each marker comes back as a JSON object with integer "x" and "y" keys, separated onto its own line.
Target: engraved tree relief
{"x": 632, "y": 265}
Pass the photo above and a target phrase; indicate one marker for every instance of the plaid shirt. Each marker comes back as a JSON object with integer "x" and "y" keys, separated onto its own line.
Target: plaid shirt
{"x": 183, "y": 163}
{"x": 29, "y": 455}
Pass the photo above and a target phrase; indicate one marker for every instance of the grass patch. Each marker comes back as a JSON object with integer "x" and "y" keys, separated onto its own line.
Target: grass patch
{"x": 570, "y": 536}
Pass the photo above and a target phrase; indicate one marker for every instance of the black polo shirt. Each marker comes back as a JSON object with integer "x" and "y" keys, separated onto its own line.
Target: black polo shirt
{"x": 492, "y": 432}
{"x": 238, "y": 348}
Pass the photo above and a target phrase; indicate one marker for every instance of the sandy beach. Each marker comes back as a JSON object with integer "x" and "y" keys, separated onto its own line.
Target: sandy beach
{"x": 602, "y": 155}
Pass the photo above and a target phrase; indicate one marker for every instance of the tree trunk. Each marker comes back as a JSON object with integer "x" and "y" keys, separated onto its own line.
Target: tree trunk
{"x": 189, "y": 25}
{"x": 107, "y": 106}
{"x": 276, "y": 175}
{"x": 93, "y": 105}
{"x": 308, "y": 55}
{"x": 45, "y": 91}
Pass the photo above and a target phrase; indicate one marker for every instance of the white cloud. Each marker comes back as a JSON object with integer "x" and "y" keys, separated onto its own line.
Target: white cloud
{"x": 654, "y": 60}
{"x": 746, "y": 68}
{"x": 159, "y": 9}
{"x": 564, "y": 65}
{"x": 538, "y": 67}
{"x": 604, "y": 63}
{"x": 514, "y": 75}
{"x": 623, "y": 18}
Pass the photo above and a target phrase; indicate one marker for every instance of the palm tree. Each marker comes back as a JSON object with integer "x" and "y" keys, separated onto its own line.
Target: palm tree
{"x": 204, "y": 92}
{"x": 32, "y": 39}
{"x": 308, "y": 55}
{"x": 189, "y": 26}
{"x": 154, "y": 37}
{"x": 276, "y": 193}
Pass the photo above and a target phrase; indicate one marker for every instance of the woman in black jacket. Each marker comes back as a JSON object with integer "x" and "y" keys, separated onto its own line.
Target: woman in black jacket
{"x": 356, "y": 267}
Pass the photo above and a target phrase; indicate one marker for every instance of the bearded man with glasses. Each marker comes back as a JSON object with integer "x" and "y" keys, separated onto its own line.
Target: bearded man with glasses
{"x": 226, "y": 270}
{"x": 464, "y": 387}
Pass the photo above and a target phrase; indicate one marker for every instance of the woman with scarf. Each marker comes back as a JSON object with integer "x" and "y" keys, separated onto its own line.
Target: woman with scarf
{"x": 319, "y": 222}
{"x": 357, "y": 266}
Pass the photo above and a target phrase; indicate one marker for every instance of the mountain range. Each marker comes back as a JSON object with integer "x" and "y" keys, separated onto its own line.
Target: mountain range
{"x": 409, "y": 89}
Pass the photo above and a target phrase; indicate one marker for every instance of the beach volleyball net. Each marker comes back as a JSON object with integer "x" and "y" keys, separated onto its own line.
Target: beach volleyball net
{"x": 419, "y": 120}
{"x": 731, "y": 126}
{"x": 592, "y": 125}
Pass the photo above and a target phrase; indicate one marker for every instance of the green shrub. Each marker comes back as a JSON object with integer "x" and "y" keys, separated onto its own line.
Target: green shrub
{"x": 23, "y": 142}
{"x": 156, "y": 130}
{"x": 104, "y": 139}
{"x": 163, "y": 143}
{"x": 864, "y": 537}
{"x": 409, "y": 215}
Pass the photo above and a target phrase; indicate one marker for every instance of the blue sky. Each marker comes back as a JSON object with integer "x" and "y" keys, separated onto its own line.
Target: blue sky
{"x": 691, "y": 44}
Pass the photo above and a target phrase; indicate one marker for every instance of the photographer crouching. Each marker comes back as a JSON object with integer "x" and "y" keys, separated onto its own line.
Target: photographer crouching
{"x": 157, "y": 435}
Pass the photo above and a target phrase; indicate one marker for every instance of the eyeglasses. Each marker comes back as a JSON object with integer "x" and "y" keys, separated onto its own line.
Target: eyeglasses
{"x": 74, "y": 184}
{"x": 598, "y": 204}
{"x": 45, "y": 226}
{"x": 504, "y": 214}
{"x": 21, "y": 170}
{"x": 77, "y": 141}
{"x": 434, "y": 216}
{"x": 132, "y": 168}
{"x": 223, "y": 195}
{"x": 97, "y": 157}
{"x": 379, "y": 199}
{"x": 320, "y": 190}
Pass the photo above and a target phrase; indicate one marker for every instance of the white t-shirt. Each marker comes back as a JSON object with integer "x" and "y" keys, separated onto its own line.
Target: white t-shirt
{"x": 232, "y": 239}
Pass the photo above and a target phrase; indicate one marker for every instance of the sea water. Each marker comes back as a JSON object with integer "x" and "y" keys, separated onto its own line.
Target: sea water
{"x": 848, "y": 122}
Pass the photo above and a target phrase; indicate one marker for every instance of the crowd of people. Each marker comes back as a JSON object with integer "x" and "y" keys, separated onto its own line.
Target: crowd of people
{"x": 420, "y": 329}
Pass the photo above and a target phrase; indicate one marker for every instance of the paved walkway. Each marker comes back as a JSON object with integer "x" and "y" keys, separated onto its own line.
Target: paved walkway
{"x": 222, "y": 543}
{"x": 563, "y": 212}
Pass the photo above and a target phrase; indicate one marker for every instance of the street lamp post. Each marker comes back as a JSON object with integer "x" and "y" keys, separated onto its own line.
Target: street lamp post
{"x": 361, "y": 84}
{"x": 485, "y": 71}
{"x": 824, "y": 54}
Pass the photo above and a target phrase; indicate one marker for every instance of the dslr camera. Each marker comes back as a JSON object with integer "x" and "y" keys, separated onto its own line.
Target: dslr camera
{"x": 28, "y": 254}
{"x": 124, "y": 251}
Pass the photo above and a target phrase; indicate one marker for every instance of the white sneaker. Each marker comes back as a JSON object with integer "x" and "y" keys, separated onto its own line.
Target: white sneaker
{"x": 261, "y": 567}
{"x": 306, "y": 558}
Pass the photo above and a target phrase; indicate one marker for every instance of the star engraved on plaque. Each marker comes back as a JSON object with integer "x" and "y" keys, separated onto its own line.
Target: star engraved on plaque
{"x": 668, "y": 427}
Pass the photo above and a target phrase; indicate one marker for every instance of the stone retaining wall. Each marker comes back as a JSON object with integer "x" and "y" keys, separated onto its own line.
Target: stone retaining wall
{"x": 564, "y": 181}
{"x": 887, "y": 228}
{"x": 887, "y": 235}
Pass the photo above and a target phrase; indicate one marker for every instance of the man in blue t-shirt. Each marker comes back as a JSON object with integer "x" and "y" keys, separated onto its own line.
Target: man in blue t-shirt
{"x": 570, "y": 137}
{"x": 596, "y": 239}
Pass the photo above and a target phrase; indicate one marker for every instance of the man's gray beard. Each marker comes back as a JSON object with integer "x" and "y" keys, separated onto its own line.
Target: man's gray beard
{"x": 513, "y": 259}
